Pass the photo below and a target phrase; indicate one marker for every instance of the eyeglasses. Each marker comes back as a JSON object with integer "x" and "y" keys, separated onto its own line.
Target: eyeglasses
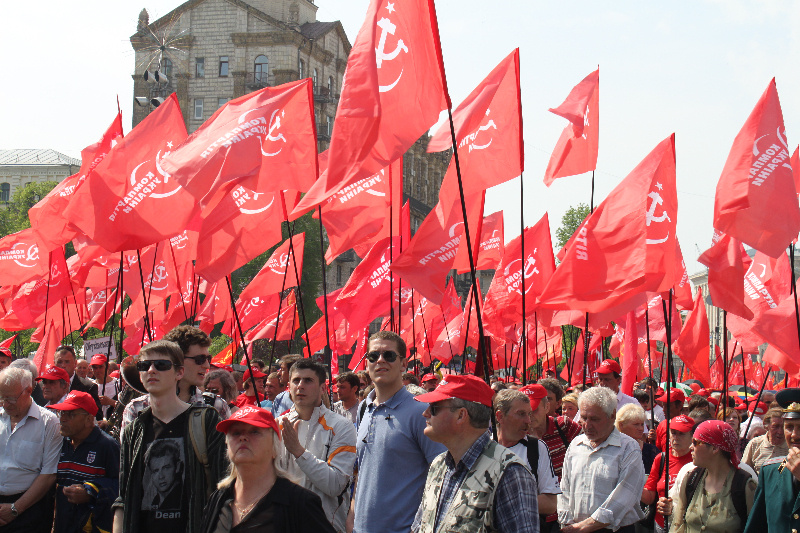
{"x": 10, "y": 400}
{"x": 199, "y": 359}
{"x": 162, "y": 365}
{"x": 436, "y": 408}
{"x": 69, "y": 414}
{"x": 388, "y": 356}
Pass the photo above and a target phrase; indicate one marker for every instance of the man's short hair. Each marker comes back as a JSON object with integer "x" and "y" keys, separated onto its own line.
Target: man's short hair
{"x": 309, "y": 364}
{"x": 698, "y": 402}
{"x": 552, "y": 385}
{"x": 411, "y": 377}
{"x": 504, "y": 399}
{"x": 166, "y": 348}
{"x": 600, "y": 397}
{"x": 272, "y": 375}
{"x": 700, "y": 415}
{"x": 66, "y": 348}
{"x": 259, "y": 363}
{"x": 186, "y": 336}
{"x": 390, "y": 336}
{"x": 12, "y": 375}
{"x": 642, "y": 396}
{"x": 497, "y": 386}
{"x": 479, "y": 415}
{"x": 164, "y": 448}
{"x": 770, "y": 414}
{"x": 229, "y": 391}
{"x": 289, "y": 360}
{"x": 26, "y": 364}
{"x": 350, "y": 378}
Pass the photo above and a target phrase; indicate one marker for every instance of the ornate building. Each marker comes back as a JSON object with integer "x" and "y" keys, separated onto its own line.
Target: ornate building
{"x": 18, "y": 168}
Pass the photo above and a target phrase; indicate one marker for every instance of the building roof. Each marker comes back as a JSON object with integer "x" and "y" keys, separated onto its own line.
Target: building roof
{"x": 315, "y": 30}
{"x": 32, "y": 156}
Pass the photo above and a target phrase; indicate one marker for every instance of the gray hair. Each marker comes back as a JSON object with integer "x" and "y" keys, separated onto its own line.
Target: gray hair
{"x": 600, "y": 397}
{"x": 12, "y": 376}
{"x": 229, "y": 391}
{"x": 630, "y": 413}
{"x": 416, "y": 390}
{"x": 26, "y": 364}
{"x": 504, "y": 399}
{"x": 479, "y": 415}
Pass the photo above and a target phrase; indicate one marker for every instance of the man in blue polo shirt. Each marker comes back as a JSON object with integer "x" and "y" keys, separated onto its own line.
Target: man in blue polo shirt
{"x": 88, "y": 468}
{"x": 393, "y": 452}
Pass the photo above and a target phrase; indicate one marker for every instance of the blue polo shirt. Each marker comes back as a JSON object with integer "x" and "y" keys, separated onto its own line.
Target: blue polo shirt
{"x": 393, "y": 459}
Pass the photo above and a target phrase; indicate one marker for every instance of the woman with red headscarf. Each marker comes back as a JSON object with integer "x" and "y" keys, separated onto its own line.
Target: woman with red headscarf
{"x": 717, "y": 495}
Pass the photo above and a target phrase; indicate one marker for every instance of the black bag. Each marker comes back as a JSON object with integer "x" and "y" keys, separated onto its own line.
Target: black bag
{"x": 649, "y": 520}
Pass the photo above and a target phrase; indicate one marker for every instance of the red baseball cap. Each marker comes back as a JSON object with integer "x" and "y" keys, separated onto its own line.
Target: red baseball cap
{"x": 5, "y": 352}
{"x": 703, "y": 392}
{"x": 98, "y": 360}
{"x": 758, "y": 409}
{"x": 675, "y": 395}
{"x": 535, "y": 393}
{"x": 429, "y": 377}
{"x": 114, "y": 374}
{"x": 469, "y": 388}
{"x": 53, "y": 373}
{"x": 252, "y": 415}
{"x": 681, "y": 423}
{"x": 713, "y": 401}
{"x": 256, "y": 374}
{"x": 608, "y": 366}
{"x": 76, "y": 400}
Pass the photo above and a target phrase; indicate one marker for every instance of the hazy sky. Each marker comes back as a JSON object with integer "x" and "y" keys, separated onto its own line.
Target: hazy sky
{"x": 694, "y": 68}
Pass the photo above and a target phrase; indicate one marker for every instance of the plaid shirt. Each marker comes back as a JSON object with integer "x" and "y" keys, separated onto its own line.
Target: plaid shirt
{"x": 515, "y": 507}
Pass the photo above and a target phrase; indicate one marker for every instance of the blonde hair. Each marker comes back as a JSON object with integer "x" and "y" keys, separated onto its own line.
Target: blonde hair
{"x": 570, "y": 398}
{"x": 277, "y": 452}
{"x": 628, "y": 413}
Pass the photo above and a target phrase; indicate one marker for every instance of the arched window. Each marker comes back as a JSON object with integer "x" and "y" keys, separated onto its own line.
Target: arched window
{"x": 166, "y": 67}
{"x": 301, "y": 67}
{"x": 5, "y": 192}
{"x": 315, "y": 76}
{"x": 330, "y": 85}
{"x": 261, "y": 69}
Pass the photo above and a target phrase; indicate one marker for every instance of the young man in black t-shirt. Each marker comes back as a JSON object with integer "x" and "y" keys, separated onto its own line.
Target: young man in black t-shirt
{"x": 163, "y": 485}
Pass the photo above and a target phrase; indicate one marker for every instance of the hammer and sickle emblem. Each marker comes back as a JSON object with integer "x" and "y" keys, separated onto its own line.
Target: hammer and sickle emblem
{"x": 386, "y": 26}
{"x": 650, "y": 216}
{"x": 274, "y": 124}
{"x": 33, "y": 253}
{"x": 160, "y": 272}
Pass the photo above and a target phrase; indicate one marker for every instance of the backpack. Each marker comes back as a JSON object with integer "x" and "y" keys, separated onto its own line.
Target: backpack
{"x": 740, "y": 479}
{"x": 197, "y": 434}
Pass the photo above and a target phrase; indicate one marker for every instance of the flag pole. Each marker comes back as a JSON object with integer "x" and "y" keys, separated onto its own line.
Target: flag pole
{"x": 650, "y": 366}
{"x": 522, "y": 279}
{"x": 327, "y": 350}
{"x": 299, "y": 290}
{"x": 724, "y": 363}
{"x": 241, "y": 337}
{"x": 670, "y": 373}
{"x": 586, "y": 339}
{"x": 395, "y": 327}
{"x": 794, "y": 293}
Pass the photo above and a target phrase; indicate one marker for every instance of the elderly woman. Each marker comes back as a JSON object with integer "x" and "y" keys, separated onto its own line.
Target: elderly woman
{"x": 630, "y": 421}
{"x": 256, "y": 496}
{"x": 655, "y": 488}
{"x": 569, "y": 405}
{"x": 221, "y": 383}
{"x": 716, "y": 496}
{"x": 765, "y": 447}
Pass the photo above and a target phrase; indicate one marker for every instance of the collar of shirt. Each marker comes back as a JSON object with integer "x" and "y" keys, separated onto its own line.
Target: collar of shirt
{"x": 33, "y": 412}
{"x": 612, "y": 440}
{"x": 391, "y": 403}
{"x": 471, "y": 455}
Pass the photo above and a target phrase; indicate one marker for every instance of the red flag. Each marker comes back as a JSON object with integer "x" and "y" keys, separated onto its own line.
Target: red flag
{"x": 134, "y": 201}
{"x": 45, "y": 353}
{"x": 692, "y": 344}
{"x": 358, "y": 362}
{"x": 47, "y": 217}
{"x": 488, "y": 128}
{"x": 393, "y": 92}
{"x": 623, "y": 248}
{"x": 576, "y": 150}
{"x": 270, "y": 279}
{"x": 682, "y": 293}
{"x": 19, "y": 258}
{"x": 726, "y": 274}
{"x": 489, "y": 250}
{"x": 225, "y": 356}
{"x": 630, "y": 363}
{"x": 778, "y": 326}
{"x": 101, "y": 307}
{"x": 216, "y": 306}
{"x": 33, "y": 298}
{"x": 285, "y": 321}
{"x": 756, "y": 200}
{"x": 249, "y": 141}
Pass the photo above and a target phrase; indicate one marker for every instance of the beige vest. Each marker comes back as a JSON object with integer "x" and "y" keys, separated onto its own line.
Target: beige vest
{"x": 471, "y": 508}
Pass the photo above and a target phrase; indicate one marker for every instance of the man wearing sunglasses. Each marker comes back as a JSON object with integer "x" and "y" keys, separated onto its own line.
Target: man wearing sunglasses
{"x": 478, "y": 484}
{"x": 194, "y": 343}
{"x": 393, "y": 452}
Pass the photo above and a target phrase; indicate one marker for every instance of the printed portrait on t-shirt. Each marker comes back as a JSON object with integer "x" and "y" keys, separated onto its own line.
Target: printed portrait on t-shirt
{"x": 164, "y": 475}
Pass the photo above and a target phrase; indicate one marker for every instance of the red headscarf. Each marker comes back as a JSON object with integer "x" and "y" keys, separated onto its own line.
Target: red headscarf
{"x": 720, "y": 434}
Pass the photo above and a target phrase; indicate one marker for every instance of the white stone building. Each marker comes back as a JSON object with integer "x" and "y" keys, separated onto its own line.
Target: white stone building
{"x": 23, "y": 166}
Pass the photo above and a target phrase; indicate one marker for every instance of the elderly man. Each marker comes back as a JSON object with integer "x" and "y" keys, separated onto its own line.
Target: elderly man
{"x": 55, "y": 384}
{"x": 65, "y": 358}
{"x": 603, "y": 474}
{"x": 516, "y": 412}
{"x": 88, "y": 470}
{"x": 393, "y": 453}
{"x": 609, "y": 375}
{"x": 478, "y": 484}
{"x": 430, "y": 382}
{"x": 319, "y": 445}
{"x": 768, "y": 446}
{"x": 776, "y": 505}
{"x": 29, "y": 446}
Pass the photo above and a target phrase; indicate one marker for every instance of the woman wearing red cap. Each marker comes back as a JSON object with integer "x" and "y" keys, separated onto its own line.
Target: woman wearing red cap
{"x": 717, "y": 495}
{"x": 256, "y": 496}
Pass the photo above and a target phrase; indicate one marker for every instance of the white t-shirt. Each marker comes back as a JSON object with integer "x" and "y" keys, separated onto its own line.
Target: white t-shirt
{"x": 547, "y": 481}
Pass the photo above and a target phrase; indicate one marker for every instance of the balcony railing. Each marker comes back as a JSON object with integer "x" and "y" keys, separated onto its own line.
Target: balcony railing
{"x": 258, "y": 80}
{"x": 323, "y": 134}
{"x": 323, "y": 95}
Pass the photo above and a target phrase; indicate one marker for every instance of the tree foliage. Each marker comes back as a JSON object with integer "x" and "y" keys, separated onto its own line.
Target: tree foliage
{"x": 570, "y": 222}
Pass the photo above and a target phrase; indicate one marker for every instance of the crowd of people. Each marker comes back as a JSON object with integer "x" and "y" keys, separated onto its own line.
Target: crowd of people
{"x": 180, "y": 446}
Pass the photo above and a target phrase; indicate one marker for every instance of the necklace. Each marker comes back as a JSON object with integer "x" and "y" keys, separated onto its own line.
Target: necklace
{"x": 244, "y": 511}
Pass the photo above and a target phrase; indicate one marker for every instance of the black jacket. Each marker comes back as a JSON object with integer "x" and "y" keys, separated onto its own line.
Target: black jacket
{"x": 297, "y": 510}
{"x": 84, "y": 385}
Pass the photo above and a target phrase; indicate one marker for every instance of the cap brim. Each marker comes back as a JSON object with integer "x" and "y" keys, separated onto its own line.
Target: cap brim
{"x": 223, "y": 426}
{"x": 683, "y": 428}
{"x": 65, "y": 406}
{"x": 432, "y": 397}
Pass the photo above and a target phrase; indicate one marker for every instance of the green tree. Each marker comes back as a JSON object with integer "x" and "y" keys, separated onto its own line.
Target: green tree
{"x": 14, "y": 217}
{"x": 570, "y": 222}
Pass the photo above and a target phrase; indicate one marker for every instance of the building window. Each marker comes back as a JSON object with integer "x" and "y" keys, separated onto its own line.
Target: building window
{"x": 329, "y": 121}
{"x": 339, "y": 274}
{"x": 330, "y": 85}
{"x": 301, "y": 67}
{"x": 223, "y": 66}
{"x": 5, "y": 192}
{"x": 166, "y": 67}
{"x": 198, "y": 108}
{"x": 200, "y": 67}
{"x": 261, "y": 70}
{"x": 315, "y": 76}
{"x": 222, "y": 101}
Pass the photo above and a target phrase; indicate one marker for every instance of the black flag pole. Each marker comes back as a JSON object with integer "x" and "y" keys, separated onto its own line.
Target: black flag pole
{"x": 241, "y": 337}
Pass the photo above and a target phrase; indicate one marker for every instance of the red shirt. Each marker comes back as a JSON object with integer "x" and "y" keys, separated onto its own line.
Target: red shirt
{"x": 657, "y": 479}
{"x": 244, "y": 399}
{"x": 555, "y": 445}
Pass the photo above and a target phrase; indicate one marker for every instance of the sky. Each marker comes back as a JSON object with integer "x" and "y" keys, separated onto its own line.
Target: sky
{"x": 693, "y": 68}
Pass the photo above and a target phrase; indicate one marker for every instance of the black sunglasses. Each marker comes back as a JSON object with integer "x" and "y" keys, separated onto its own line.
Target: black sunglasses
{"x": 162, "y": 365}
{"x": 199, "y": 359}
{"x": 388, "y": 356}
{"x": 435, "y": 408}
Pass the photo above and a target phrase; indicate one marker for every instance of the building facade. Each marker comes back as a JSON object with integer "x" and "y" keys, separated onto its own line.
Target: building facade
{"x": 20, "y": 167}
